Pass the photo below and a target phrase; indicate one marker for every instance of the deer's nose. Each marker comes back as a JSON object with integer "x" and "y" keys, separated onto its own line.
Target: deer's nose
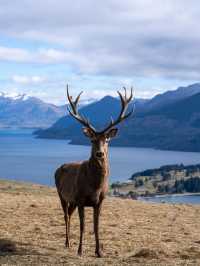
{"x": 99, "y": 154}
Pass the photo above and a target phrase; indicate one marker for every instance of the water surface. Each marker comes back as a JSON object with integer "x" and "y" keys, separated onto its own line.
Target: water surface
{"x": 23, "y": 157}
{"x": 185, "y": 199}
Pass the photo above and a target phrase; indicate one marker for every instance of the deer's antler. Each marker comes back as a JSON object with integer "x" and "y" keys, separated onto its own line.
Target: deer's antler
{"x": 124, "y": 106}
{"x": 74, "y": 111}
{"x": 122, "y": 116}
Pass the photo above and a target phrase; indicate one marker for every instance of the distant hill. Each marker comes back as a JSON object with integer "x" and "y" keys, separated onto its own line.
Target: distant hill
{"x": 187, "y": 110}
{"x": 172, "y": 124}
{"x": 173, "y": 96}
{"x": 173, "y": 127}
{"x": 25, "y": 111}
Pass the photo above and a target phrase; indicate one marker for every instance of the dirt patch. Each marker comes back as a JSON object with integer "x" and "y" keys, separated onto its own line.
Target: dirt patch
{"x": 149, "y": 253}
{"x": 32, "y": 231}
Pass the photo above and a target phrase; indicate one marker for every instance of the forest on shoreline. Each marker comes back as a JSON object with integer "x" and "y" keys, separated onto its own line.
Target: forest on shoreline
{"x": 168, "y": 179}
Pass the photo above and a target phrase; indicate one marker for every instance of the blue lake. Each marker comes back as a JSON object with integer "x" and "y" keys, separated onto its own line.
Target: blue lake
{"x": 185, "y": 199}
{"x": 23, "y": 157}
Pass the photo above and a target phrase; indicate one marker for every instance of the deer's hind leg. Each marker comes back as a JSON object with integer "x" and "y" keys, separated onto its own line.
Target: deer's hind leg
{"x": 65, "y": 206}
{"x": 82, "y": 227}
{"x": 71, "y": 209}
{"x": 66, "y": 216}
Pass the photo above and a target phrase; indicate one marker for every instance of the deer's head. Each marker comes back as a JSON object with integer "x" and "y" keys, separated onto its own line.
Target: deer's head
{"x": 100, "y": 139}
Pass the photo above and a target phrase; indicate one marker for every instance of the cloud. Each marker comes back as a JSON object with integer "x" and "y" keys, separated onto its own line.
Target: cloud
{"x": 98, "y": 46}
{"x": 22, "y": 79}
{"x": 14, "y": 54}
{"x": 130, "y": 38}
{"x": 43, "y": 56}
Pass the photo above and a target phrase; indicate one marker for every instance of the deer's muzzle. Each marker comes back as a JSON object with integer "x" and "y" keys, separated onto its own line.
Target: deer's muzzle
{"x": 99, "y": 154}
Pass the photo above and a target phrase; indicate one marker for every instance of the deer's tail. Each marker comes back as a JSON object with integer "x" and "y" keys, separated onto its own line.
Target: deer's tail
{"x": 57, "y": 176}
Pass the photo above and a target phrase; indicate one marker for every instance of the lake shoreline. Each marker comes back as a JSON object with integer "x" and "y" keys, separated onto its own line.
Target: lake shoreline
{"x": 113, "y": 145}
{"x": 70, "y": 142}
{"x": 124, "y": 197}
{"x": 173, "y": 194}
{"x": 3, "y": 179}
{"x": 153, "y": 196}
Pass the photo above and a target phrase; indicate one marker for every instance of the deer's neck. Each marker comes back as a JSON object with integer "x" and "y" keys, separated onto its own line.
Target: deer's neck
{"x": 99, "y": 169}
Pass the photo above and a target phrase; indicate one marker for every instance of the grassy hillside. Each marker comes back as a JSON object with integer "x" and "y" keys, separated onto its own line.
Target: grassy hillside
{"x": 132, "y": 232}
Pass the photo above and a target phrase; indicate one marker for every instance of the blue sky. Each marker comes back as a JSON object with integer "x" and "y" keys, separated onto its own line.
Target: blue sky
{"x": 98, "y": 47}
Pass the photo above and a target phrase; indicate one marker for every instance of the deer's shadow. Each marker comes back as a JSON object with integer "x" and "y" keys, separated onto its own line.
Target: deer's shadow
{"x": 9, "y": 248}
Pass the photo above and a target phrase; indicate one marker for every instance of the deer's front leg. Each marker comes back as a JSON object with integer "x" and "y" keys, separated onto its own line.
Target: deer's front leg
{"x": 82, "y": 226}
{"x": 97, "y": 210}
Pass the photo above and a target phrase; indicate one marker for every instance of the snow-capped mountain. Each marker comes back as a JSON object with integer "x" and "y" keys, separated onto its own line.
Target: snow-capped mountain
{"x": 14, "y": 96}
{"x": 21, "y": 110}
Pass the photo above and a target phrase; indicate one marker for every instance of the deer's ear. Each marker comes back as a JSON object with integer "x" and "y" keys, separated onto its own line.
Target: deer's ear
{"x": 111, "y": 133}
{"x": 88, "y": 132}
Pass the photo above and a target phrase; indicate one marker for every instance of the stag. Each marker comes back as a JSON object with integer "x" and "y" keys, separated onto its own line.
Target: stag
{"x": 85, "y": 184}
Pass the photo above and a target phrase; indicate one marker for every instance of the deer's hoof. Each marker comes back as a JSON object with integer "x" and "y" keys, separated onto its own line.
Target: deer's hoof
{"x": 99, "y": 253}
{"x": 79, "y": 252}
{"x": 67, "y": 244}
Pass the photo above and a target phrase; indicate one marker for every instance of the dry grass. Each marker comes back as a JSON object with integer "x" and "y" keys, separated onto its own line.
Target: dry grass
{"x": 132, "y": 232}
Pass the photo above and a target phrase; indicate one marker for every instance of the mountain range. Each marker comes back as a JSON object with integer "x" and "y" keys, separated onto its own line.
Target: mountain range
{"x": 26, "y": 111}
{"x": 168, "y": 121}
{"x": 173, "y": 96}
